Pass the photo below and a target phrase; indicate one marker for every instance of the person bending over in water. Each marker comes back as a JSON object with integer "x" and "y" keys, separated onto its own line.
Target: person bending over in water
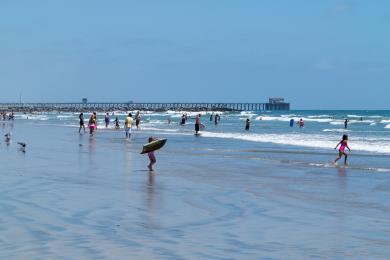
{"x": 152, "y": 157}
{"x": 343, "y": 144}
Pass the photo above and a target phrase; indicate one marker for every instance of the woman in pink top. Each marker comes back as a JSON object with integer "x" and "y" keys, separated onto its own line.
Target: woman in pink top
{"x": 343, "y": 144}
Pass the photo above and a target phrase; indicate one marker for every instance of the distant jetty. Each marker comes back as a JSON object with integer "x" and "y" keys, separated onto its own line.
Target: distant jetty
{"x": 272, "y": 105}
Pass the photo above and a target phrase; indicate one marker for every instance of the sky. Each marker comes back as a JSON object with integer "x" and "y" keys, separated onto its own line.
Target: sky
{"x": 318, "y": 54}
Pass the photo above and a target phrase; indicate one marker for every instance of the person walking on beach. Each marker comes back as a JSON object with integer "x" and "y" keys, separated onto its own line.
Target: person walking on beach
{"x": 197, "y": 123}
{"x": 107, "y": 120}
{"x": 343, "y": 144}
{"x": 247, "y": 124}
{"x": 346, "y": 123}
{"x": 82, "y": 125}
{"x": 128, "y": 126}
{"x": 137, "y": 120}
{"x": 152, "y": 157}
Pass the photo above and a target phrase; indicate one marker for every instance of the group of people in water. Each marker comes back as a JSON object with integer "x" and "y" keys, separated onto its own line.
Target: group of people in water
{"x": 92, "y": 123}
{"x": 136, "y": 120}
{"x": 300, "y": 123}
{"x": 128, "y": 125}
{"x": 10, "y": 116}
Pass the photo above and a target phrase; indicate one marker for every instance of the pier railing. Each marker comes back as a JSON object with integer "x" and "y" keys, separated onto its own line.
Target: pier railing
{"x": 148, "y": 106}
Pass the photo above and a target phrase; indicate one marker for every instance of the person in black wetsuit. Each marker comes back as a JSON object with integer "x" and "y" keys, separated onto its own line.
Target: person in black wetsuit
{"x": 247, "y": 124}
{"x": 82, "y": 125}
{"x": 183, "y": 120}
{"x": 346, "y": 123}
{"x": 197, "y": 123}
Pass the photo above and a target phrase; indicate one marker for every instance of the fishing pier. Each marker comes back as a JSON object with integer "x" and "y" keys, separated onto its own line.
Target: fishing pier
{"x": 273, "y": 105}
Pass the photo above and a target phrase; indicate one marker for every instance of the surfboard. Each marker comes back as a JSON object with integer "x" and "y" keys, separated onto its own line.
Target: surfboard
{"x": 153, "y": 146}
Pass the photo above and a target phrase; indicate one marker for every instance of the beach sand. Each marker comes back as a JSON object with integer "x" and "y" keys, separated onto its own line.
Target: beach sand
{"x": 63, "y": 200}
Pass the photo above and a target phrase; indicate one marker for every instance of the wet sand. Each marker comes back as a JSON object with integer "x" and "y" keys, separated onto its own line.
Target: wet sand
{"x": 60, "y": 200}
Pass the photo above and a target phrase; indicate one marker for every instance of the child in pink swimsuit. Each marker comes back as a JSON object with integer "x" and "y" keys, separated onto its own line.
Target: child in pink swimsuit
{"x": 152, "y": 158}
{"x": 343, "y": 144}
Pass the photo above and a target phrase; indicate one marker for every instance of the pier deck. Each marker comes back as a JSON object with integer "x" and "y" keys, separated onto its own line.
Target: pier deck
{"x": 147, "y": 106}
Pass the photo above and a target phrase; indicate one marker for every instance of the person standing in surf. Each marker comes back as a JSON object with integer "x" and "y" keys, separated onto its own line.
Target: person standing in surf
{"x": 137, "y": 120}
{"x": 197, "y": 123}
{"x": 117, "y": 123}
{"x": 247, "y": 124}
{"x": 96, "y": 120}
{"x": 301, "y": 123}
{"x": 92, "y": 124}
{"x": 107, "y": 120}
{"x": 346, "y": 123}
{"x": 183, "y": 120}
{"x": 82, "y": 125}
{"x": 343, "y": 144}
{"x": 292, "y": 122}
{"x": 11, "y": 116}
{"x": 216, "y": 119}
{"x": 128, "y": 126}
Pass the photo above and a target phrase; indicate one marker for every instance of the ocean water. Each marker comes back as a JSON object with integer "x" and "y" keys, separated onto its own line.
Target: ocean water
{"x": 270, "y": 193}
{"x": 270, "y": 136}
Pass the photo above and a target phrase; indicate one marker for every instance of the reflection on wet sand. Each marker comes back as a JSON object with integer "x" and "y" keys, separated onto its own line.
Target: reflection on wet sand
{"x": 342, "y": 171}
{"x": 150, "y": 189}
{"x": 92, "y": 164}
{"x": 151, "y": 218}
